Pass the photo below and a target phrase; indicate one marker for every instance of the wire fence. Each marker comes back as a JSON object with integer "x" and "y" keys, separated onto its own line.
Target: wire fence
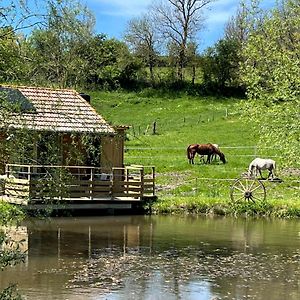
{"x": 178, "y": 183}
{"x": 176, "y": 152}
{"x": 221, "y": 188}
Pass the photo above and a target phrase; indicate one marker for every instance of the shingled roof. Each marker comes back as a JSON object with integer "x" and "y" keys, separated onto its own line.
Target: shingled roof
{"x": 58, "y": 110}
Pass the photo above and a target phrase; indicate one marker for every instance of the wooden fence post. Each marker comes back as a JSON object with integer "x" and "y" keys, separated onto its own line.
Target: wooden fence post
{"x": 154, "y": 128}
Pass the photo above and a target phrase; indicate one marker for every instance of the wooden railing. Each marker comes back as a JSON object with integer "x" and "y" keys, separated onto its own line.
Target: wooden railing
{"x": 36, "y": 182}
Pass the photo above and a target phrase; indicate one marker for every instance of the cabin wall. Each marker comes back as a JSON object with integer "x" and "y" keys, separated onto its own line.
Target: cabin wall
{"x": 71, "y": 151}
{"x": 112, "y": 152}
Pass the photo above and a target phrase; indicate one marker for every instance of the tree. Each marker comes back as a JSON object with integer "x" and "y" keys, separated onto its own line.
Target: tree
{"x": 56, "y": 49}
{"x": 142, "y": 38}
{"x": 18, "y": 15}
{"x": 109, "y": 63}
{"x": 270, "y": 71}
{"x": 9, "y": 55}
{"x": 237, "y": 27}
{"x": 10, "y": 253}
{"x": 178, "y": 22}
{"x": 192, "y": 60}
{"x": 220, "y": 66}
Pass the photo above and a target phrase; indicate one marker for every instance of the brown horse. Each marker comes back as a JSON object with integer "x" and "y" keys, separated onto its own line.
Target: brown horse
{"x": 204, "y": 149}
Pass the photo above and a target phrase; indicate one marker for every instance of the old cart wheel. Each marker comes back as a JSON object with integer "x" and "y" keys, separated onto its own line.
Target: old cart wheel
{"x": 247, "y": 189}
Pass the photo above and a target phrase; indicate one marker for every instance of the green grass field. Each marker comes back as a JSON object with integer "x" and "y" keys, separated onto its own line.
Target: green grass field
{"x": 181, "y": 120}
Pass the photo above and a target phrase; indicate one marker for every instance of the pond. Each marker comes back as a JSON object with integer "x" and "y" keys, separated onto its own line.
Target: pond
{"x": 157, "y": 257}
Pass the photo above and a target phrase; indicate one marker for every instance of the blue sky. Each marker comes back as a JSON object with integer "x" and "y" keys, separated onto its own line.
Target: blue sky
{"x": 112, "y": 17}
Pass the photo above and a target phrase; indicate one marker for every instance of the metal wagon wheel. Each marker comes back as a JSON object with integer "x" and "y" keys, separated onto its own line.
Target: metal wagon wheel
{"x": 247, "y": 189}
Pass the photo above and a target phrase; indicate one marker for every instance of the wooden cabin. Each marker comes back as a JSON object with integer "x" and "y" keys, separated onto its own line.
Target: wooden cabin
{"x": 56, "y": 147}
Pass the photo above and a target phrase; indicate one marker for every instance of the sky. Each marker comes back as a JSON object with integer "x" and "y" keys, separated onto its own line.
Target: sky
{"x": 112, "y": 17}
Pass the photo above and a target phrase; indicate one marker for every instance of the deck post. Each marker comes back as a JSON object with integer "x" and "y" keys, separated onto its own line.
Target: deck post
{"x": 153, "y": 178}
{"x": 92, "y": 183}
{"x": 29, "y": 173}
{"x": 7, "y": 170}
{"x": 142, "y": 182}
{"x": 127, "y": 180}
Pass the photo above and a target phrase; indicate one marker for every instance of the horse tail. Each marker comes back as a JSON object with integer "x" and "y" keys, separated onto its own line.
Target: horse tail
{"x": 191, "y": 151}
{"x": 188, "y": 152}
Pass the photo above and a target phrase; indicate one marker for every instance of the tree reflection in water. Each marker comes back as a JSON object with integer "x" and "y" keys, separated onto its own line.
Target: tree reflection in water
{"x": 139, "y": 257}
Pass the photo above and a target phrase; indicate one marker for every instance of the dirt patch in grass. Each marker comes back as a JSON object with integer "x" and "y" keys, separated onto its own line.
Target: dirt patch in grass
{"x": 172, "y": 180}
{"x": 291, "y": 172}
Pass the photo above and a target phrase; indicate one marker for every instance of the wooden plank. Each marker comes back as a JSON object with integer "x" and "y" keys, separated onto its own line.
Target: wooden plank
{"x": 88, "y": 194}
{"x": 126, "y": 188}
{"x": 101, "y": 189}
{"x": 90, "y": 205}
{"x": 13, "y": 193}
{"x": 17, "y": 180}
{"x": 149, "y": 180}
{"x": 15, "y": 200}
{"x": 72, "y": 182}
{"x": 17, "y": 188}
{"x": 77, "y": 195}
{"x": 101, "y": 195}
{"x": 102, "y": 183}
{"x": 17, "y": 184}
{"x": 88, "y": 188}
{"x": 127, "y": 195}
{"x": 125, "y": 183}
{"x": 94, "y": 182}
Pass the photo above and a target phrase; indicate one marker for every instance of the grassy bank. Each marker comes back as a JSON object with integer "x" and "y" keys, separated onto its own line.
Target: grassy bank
{"x": 161, "y": 128}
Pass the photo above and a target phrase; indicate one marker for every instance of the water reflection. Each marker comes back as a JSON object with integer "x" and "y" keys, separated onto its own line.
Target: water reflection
{"x": 161, "y": 257}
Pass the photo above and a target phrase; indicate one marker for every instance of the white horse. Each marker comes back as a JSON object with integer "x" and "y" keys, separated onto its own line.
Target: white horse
{"x": 259, "y": 164}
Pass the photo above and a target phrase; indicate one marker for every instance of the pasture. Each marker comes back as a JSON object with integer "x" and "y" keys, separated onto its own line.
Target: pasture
{"x": 161, "y": 128}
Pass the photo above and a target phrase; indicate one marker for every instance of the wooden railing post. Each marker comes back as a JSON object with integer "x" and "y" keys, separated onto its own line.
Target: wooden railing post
{"x": 153, "y": 181}
{"x": 142, "y": 181}
{"x": 29, "y": 180}
{"x": 28, "y": 173}
{"x": 113, "y": 185}
{"x": 92, "y": 176}
{"x": 127, "y": 180}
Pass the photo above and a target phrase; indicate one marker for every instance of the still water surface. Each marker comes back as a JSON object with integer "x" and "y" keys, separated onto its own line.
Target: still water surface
{"x": 157, "y": 257}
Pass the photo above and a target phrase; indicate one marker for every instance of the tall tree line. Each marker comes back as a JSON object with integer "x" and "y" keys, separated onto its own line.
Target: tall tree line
{"x": 159, "y": 47}
{"x": 63, "y": 49}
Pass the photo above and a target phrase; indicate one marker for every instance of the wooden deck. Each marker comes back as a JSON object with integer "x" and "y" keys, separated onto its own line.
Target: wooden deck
{"x": 77, "y": 187}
